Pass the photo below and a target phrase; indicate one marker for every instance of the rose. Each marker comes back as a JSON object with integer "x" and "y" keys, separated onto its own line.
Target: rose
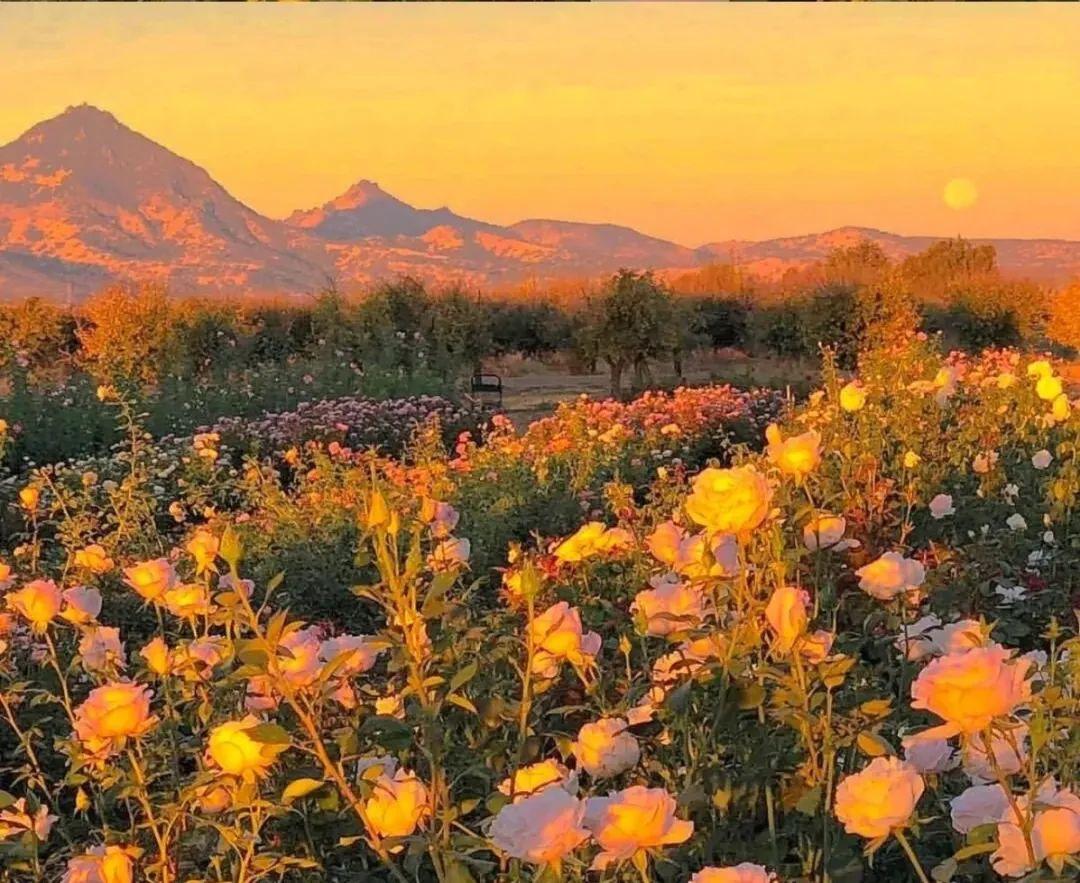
{"x": 746, "y": 872}
{"x": 729, "y": 500}
{"x": 1054, "y": 822}
{"x": 941, "y": 506}
{"x": 796, "y": 456}
{"x": 449, "y": 554}
{"x": 234, "y": 747}
{"x": 1042, "y": 459}
{"x": 398, "y": 804}
{"x": 16, "y": 820}
{"x": 879, "y": 799}
{"x": 557, "y": 635}
{"x": 38, "y": 601}
{"x": 890, "y": 575}
{"x": 188, "y": 600}
{"x": 632, "y": 821}
{"x": 300, "y": 664}
{"x": 532, "y": 779}
{"x": 94, "y": 558}
{"x": 157, "y": 656}
{"x": 670, "y": 607}
{"x": 204, "y": 548}
{"x": 593, "y": 538}
{"x": 852, "y": 396}
{"x": 83, "y": 604}
{"x": 970, "y": 690}
{"x": 1048, "y": 388}
{"x": 100, "y": 648}
{"x": 101, "y": 864}
{"x": 151, "y": 579}
{"x": 978, "y": 805}
{"x": 786, "y": 615}
{"x": 111, "y": 714}
{"x": 604, "y": 748}
{"x": 825, "y": 531}
{"x": 541, "y": 829}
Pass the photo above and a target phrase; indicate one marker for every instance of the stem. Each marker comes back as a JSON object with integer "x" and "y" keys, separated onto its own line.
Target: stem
{"x": 141, "y": 796}
{"x": 911, "y": 855}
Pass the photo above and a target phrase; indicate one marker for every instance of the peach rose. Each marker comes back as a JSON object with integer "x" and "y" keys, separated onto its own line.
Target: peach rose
{"x": 188, "y": 600}
{"x": 633, "y": 821}
{"x": 941, "y": 506}
{"x": 890, "y": 575}
{"x": 747, "y": 872}
{"x": 398, "y": 805}
{"x": 151, "y": 579}
{"x": 157, "y": 657}
{"x": 729, "y": 500}
{"x": 38, "y": 601}
{"x": 670, "y": 607}
{"x": 978, "y": 805}
{"x": 101, "y": 864}
{"x": 81, "y": 605}
{"x": 441, "y": 518}
{"x": 203, "y": 546}
{"x": 16, "y": 820}
{"x": 234, "y": 748}
{"x": 112, "y": 714}
{"x": 825, "y": 531}
{"x": 534, "y": 778}
{"x": 300, "y": 664}
{"x": 796, "y": 456}
{"x": 880, "y": 799}
{"x": 557, "y": 636}
{"x": 1054, "y": 822}
{"x": 101, "y": 649}
{"x": 94, "y": 558}
{"x": 787, "y": 617}
{"x": 541, "y": 829}
{"x": 604, "y": 748}
{"x": 970, "y": 690}
{"x": 449, "y": 554}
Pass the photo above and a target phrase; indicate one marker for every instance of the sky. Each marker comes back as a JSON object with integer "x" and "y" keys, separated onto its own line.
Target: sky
{"x": 694, "y": 122}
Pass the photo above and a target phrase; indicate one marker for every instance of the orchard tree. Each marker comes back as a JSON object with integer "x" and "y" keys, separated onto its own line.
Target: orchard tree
{"x": 631, "y": 321}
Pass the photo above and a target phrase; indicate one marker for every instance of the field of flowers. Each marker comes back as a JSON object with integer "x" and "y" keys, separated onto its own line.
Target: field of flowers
{"x": 709, "y": 636}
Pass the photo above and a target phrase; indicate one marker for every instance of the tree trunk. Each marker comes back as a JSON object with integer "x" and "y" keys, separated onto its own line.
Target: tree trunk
{"x": 616, "y": 366}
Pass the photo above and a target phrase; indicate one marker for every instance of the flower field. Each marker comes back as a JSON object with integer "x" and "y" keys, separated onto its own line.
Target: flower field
{"x": 709, "y": 636}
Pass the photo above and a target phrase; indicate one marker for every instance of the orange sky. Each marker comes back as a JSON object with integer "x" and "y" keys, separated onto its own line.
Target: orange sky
{"x": 690, "y": 121}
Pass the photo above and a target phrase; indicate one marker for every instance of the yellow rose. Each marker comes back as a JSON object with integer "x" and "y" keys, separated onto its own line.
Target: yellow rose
{"x": 729, "y": 500}
{"x": 796, "y": 456}
{"x": 233, "y": 749}
{"x": 157, "y": 657}
{"x": 557, "y": 635}
{"x": 911, "y": 460}
{"x": 29, "y": 496}
{"x": 101, "y": 864}
{"x": 852, "y": 396}
{"x": 1061, "y": 407}
{"x": 204, "y": 548}
{"x": 786, "y": 614}
{"x": 151, "y": 579}
{"x": 592, "y": 539}
{"x": 747, "y": 872}
{"x": 111, "y": 714}
{"x": 880, "y": 799}
{"x": 38, "y": 601}
{"x": 1048, "y": 388}
{"x": 186, "y": 601}
{"x": 94, "y": 559}
{"x": 968, "y": 690}
{"x": 398, "y": 804}
{"x": 532, "y": 779}
{"x": 1040, "y": 369}
{"x": 633, "y": 821}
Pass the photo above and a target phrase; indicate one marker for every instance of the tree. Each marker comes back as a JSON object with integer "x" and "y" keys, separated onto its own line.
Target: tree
{"x": 1063, "y": 325}
{"x": 632, "y": 321}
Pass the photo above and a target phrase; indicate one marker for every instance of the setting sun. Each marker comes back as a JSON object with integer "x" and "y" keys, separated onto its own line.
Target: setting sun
{"x": 960, "y": 193}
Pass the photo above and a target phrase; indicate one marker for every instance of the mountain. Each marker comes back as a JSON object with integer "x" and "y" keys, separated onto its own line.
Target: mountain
{"x": 85, "y": 201}
{"x": 1051, "y": 260}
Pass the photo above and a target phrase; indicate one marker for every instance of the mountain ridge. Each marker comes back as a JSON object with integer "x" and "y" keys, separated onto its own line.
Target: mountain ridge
{"x": 85, "y": 201}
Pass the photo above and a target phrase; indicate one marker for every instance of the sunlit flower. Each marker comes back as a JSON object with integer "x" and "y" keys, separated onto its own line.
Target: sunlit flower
{"x": 449, "y": 554}
{"x": 633, "y": 821}
{"x": 798, "y": 455}
{"x": 890, "y": 575}
{"x": 1048, "y": 387}
{"x": 1009, "y": 748}
{"x": 1054, "y": 822}
{"x": 984, "y": 462}
{"x": 671, "y": 607}
{"x": 535, "y": 777}
{"x": 188, "y": 600}
{"x": 746, "y": 872}
{"x": 825, "y": 531}
{"x": 729, "y": 500}
{"x": 16, "y": 820}
{"x": 970, "y": 690}
{"x": 911, "y": 460}
{"x": 101, "y": 864}
{"x": 879, "y": 799}
{"x": 112, "y": 714}
{"x": 1042, "y": 459}
{"x": 151, "y": 579}
{"x": 557, "y": 635}
{"x": 234, "y": 748}
{"x": 38, "y": 602}
{"x": 94, "y": 558}
{"x": 787, "y": 616}
{"x": 593, "y": 538}
{"x": 81, "y": 605}
{"x": 157, "y": 656}
{"x": 852, "y": 396}
{"x": 29, "y": 497}
{"x": 542, "y": 828}
{"x": 398, "y": 805}
{"x": 978, "y": 805}
{"x": 203, "y": 546}
{"x": 605, "y": 749}
{"x": 929, "y": 755}
{"x": 101, "y": 650}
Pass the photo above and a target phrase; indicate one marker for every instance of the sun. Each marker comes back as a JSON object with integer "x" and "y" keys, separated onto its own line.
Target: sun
{"x": 960, "y": 193}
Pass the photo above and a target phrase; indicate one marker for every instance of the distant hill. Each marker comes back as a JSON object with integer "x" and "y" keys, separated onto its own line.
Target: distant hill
{"x": 85, "y": 200}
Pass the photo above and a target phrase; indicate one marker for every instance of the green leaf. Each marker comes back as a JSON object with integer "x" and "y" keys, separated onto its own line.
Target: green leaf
{"x": 464, "y": 675}
{"x": 269, "y": 734}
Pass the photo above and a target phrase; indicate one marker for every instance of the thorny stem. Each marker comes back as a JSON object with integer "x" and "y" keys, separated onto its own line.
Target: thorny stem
{"x": 903, "y": 841}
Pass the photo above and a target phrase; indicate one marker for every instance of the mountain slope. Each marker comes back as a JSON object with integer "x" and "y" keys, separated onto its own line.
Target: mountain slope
{"x": 84, "y": 199}
{"x": 1045, "y": 259}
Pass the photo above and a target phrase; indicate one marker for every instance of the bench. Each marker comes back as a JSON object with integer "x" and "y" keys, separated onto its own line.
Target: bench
{"x": 486, "y": 390}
